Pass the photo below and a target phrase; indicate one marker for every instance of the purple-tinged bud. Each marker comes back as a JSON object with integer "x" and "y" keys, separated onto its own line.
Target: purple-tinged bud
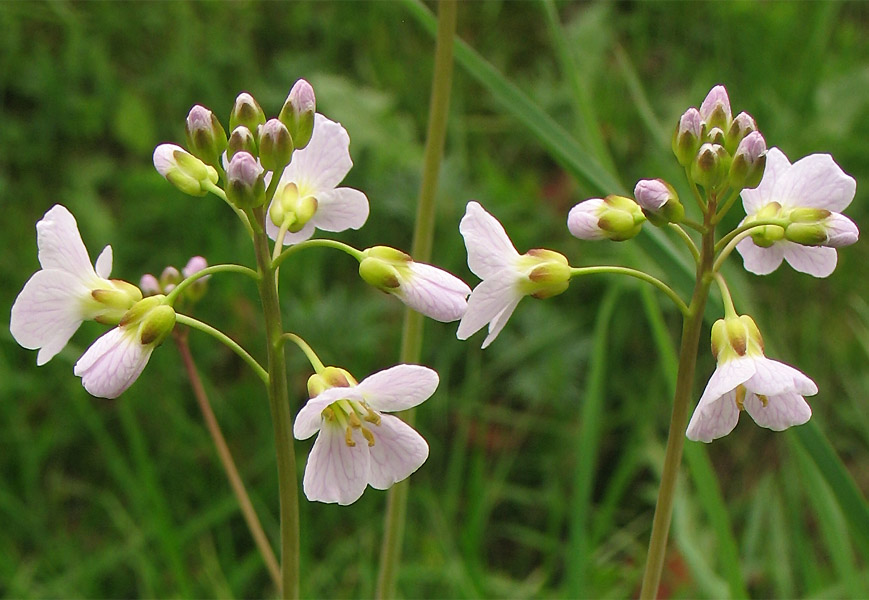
{"x": 686, "y": 138}
{"x": 241, "y": 140}
{"x": 206, "y": 137}
{"x": 169, "y": 278}
{"x": 615, "y": 218}
{"x": 149, "y": 285}
{"x": 742, "y": 125}
{"x": 196, "y": 290}
{"x": 275, "y": 146}
{"x": 659, "y": 201}
{"x": 714, "y": 136}
{"x": 298, "y": 113}
{"x": 841, "y": 231}
{"x": 183, "y": 170}
{"x": 715, "y": 110}
{"x": 194, "y": 265}
{"x": 246, "y": 112}
{"x": 245, "y": 187}
{"x": 749, "y": 162}
{"x": 711, "y": 166}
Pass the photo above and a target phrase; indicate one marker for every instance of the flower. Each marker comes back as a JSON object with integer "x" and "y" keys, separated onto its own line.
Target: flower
{"x": 357, "y": 445}
{"x": 507, "y": 276}
{"x": 424, "y": 288}
{"x": 614, "y": 218}
{"x": 307, "y": 197}
{"x": 67, "y": 290}
{"x": 813, "y": 182}
{"x": 117, "y": 358}
{"x": 744, "y": 379}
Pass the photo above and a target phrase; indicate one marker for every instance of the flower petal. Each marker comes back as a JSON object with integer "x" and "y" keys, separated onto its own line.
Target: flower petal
{"x": 583, "y": 220}
{"x": 487, "y": 301}
{"x": 497, "y": 324}
{"x": 434, "y": 293}
{"x": 60, "y": 245}
{"x": 713, "y": 419}
{"x": 489, "y": 248}
{"x": 398, "y": 388}
{"x": 760, "y": 261}
{"x": 773, "y": 377}
{"x": 397, "y": 452}
{"x": 290, "y": 238}
{"x": 310, "y": 417}
{"x": 104, "y": 263}
{"x": 112, "y": 363}
{"x": 777, "y": 164}
{"x": 341, "y": 209}
{"x": 781, "y": 411}
{"x": 47, "y": 312}
{"x": 816, "y": 181}
{"x": 841, "y": 231}
{"x": 336, "y": 472}
{"x": 726, "y": 377}
{"x": 814, "y": 260}
{"x": 324, "y": 162}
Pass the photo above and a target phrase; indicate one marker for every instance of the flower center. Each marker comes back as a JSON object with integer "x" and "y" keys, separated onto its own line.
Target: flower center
{"x": 349, "y": 415}
{"x": 740, "y": 398}
{"x": 293, "y": 207}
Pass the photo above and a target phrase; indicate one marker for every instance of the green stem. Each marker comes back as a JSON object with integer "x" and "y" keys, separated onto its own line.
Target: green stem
{"x": 304, "y": 347}
{"x": 223, "y": 452}
{"x": 734, "y": 194}
{"x": 687, "y": 239}
{"x": 321, "y": 243}
{"x": 280, "y": 408}
{"x": 226, "y": 340}
{"x": 680, "y": 304}
{"x": 726, "y": 298}
{"x": 230, "y": 268}
{"x": 240, "y": 213}
{"x": 423, "y": 236}
{"x": 692, "y": 324}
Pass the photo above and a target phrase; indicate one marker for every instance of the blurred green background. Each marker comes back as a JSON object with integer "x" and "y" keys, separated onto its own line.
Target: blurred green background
{"x": 545, "y": 448}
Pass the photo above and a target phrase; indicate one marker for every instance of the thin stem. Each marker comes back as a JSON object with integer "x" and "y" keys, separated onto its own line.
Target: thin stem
{"x": 235, "y": 482}
{"x": 317, "y": 243}
{"x": 641, "y": 275}
{"x": 734, "y": 194}
{"x": 282, "y": 232}
{"x": 687, "y": 239}
{"x": 228, "y": 268}
{"x": 240, "y": 213}
{"x": 227, "y": 341}
{"x": 423, "y": 236}
{"x": 729, "y": 309}
{"x": 692, "y": 324}
{"x": 699, "y": 227}
{"x": 304, "y": 347}
{"x": 698, "y": 197}
{"x": 280, "y": 408}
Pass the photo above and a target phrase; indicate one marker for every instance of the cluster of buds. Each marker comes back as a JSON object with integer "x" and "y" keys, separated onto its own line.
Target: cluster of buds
{"x": 717, "y": 149}
{"x": 171, "y": 277}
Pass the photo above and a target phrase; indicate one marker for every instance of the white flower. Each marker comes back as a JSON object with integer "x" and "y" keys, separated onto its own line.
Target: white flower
{"x": 770, "y": 391}
{"x": 813, "y": 182}
{"x": 307, "y": 195}
{"x": 507, "y": 276}
{"x": 358, "y": 446}
{"x": 67, "y": 291}
{"x": 424, "y": 288}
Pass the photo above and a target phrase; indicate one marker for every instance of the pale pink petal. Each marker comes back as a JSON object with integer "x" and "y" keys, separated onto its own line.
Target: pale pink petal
{"x": 499, "y": 321}
{"x": 60, "y": 245}
{"x": 341, "y": 209}
{"x": 583, "y": 219}
{"x": 310, "y": 417}
{"x": 397, "y": 452}
{"x": 816, "y": 181}
{"x": 814, "y": 260}
{"x": 781, "y": 411}
{"x": 841, "y": 231}
{"x": 487, "y": 301}
{"x": 726, "y": 377}
{"x": 104, "y": 263}
{"x": 777, "y": 164}
{"x": 47, "y": 312}
{"x": 112, "y": 363}
{"x": 716, "y": 96}
{"x": 398, "y": 388}
{"x": 773, "y": 377}
{"x": 713, "y": 419}
{"x": 164, "y": 157}
{"x": 489, "y": 248}
{"x": 336, "y": 472}
{"x": 434, "y": 293}
{"x": 760, "y": 261}
{"x": 324, "y": 162}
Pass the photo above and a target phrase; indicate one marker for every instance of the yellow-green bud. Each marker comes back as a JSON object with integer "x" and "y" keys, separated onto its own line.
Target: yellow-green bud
{"x": 241, "y": 140}
{"x": 686, "y": 138}
{"x": 298, "y": 113}
{"x": 206, "y": 137}
{"x": 749, "y": 162}
{"x": 246, "y": 112}
{"x": 711, "y": 166}
{"x": 328, "y": 378}
{"x": 245, "y": 186}
{"x": 735, "y": 337}
{"x": 275, "y": 146}
{"x": 157, "y": 325}
{"x": 548, "y": 273}
{"x": 620, "y": 218}
{"x": 380, "y": 265}
{"x": 113, "y": 303}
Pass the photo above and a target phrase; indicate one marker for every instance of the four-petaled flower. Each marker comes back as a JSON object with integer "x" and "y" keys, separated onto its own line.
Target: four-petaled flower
{"x": 507, "y": 275}
{"x": 744, "y": 379}
{"x": 307, "y": 197}
{"x": 68, "y": 290}
{"x": 815, "y": 187}
{"x": 357, "y": 445}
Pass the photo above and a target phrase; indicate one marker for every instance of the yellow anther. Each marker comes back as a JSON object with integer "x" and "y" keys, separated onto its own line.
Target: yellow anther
{"x": 368, "y": 436}
{"x": 371, "y": 416}
{"x": 328, "y": 413}
{"x": 740, "y": 397}
{"x": 348, "y": 437}
{"x": 763, "y": 399}
{"x": 354, "y": 420}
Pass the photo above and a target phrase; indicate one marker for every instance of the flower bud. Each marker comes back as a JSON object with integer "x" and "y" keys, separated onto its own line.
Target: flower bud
{"x": 183, "y": 170}
{"x": 149, "y": 285}
{"x": 169, "y": 278}
{"x": 206, "y": 137}
{"x": 275, "y": 146}
{"x": 245, "y": 187}
{"x": 686, "y": 138}
{"x": 548, "y": 273}
{"x": 735, "y": 337}
{"x": 659, "y": 201}
{"x": 195, "y": 291}
{"x": 711, "y": 166}
{"x": 246, "y": 112}
{"x": 328, "y": 378}
{"x": 748, "y": 164}
{"x": 298, "y": 113}
{"x": 742, "y": 125}
{"x": 615, "y": 218}
{"x": 714, "y": 136}
{"x": 157, "y": 325}
{"x": 194, "y": 265}
{"x": 241, "y": 140}
{"x": 715, "y": 110}
{"x": 380, "y": 266}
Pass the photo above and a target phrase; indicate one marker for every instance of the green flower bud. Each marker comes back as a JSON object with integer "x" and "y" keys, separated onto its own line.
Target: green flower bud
{"x": 548, "y": 273}
{"x": 659, "y": 201}
{"x": 246, "y": 112}
{"x": 749, "y": 162}
{"x": 157, "y": 325}
{"x": 686, "y": 138}
{"x": 183, "y": 170}
{"x": 241, "y": 140}
{"x": 715, "y": 110}
{"x": 380, "y": 265}
{"x": 206, "y": 137}
{"x": 710, "y": 168}
{"x": 275, "y": 146}
{"x": 298, "y": 113}
{"x": 621, "y": 218}
{"x": 245, "y": 187}
{"x": 742, "y": 125}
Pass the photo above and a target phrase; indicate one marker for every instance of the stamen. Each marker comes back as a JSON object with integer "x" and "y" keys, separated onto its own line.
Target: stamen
{"x": 740, "y": 397}
{"x": 354, "y": 420}
{"x": 368, "y": 436}
{"x": 348, "y": 437}
{"x": 763, "y": 399}
{"x": 328, "y": 413}
{"x": 371, "y": 416}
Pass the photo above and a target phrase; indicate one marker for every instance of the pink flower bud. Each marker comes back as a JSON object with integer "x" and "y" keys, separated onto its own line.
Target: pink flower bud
{"x": 715, "y": 110}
